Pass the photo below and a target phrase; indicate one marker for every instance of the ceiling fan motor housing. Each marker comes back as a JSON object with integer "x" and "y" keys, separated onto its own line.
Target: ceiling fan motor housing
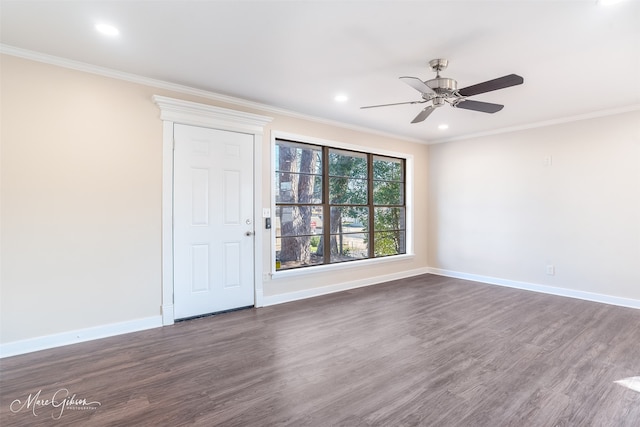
{"x": 442, "y": 85}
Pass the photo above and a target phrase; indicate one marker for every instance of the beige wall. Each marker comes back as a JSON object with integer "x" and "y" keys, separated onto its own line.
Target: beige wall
{"x": 81, "y": 200}
{"x": 496, "y": 210}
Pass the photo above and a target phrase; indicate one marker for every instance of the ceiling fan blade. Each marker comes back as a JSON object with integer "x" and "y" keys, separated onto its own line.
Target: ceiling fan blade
{"x": 485, "y": 107}
{"x": 417, "y": 84}
{"x": 397, "y": 103}
{"x": 490, "y": 85}
{"x": 423, "y": 114}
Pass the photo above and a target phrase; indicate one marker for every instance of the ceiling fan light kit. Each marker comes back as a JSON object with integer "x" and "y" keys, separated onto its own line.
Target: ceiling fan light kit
{"x": 443, "y": 90}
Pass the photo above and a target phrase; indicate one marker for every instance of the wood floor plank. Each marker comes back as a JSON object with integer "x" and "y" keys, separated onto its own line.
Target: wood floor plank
{"x": 425, "y": 351}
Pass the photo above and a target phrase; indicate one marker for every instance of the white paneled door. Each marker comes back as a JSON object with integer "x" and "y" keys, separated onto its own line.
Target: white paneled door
{"x": 213, "y": 221}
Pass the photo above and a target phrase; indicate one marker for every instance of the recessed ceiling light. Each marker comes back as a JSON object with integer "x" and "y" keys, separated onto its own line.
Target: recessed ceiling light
{"x": 443, "y": 126}
{"x": 341, "y": 98}
{"x": 107, "y": 30}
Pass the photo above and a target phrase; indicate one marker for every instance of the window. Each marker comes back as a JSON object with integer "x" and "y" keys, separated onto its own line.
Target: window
{"x": 335, "y": 205}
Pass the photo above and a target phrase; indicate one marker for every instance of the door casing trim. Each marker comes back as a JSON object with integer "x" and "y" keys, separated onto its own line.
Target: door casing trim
{"x": 176, "y": 111}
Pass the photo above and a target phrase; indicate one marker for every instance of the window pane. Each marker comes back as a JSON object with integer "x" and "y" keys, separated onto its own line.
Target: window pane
{"x": 292, "y": 252}
{"x": 389, "y": 243}
{"x": 388, "y": 219}
{"x": 349, "y": 246}
{"x": 349, "y": 239}
{"x": 388, "y": 169}
{"x": 297, "y": 188}
{"x": 299, "y": 158}
{"x": 388, "y": 193}
{"x": 348, "y": 164}
{"x": 298, "y": 220}
{"x": 298, "y": 176}
{"x": 349, "y": 219}
{"x": 345, "y": 191}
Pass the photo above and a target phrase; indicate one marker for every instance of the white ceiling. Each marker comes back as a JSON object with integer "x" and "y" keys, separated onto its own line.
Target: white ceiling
{"x": 577, "y": 57}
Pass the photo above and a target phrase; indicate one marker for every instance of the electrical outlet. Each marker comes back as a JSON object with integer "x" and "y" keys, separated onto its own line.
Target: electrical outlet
{"x": 551, "y": 270}
{"x": 266, "y": 213}
{"x": 548, "y": 161}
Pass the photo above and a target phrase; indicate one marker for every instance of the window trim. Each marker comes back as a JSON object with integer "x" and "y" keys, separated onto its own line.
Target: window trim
{"x": 409, "y": 206}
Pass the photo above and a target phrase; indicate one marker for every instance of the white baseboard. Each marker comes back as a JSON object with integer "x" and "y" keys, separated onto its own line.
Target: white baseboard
{"x": 81, "y": 335}
{"x": 315, "y": 292}
{"x": 564, "y": 292}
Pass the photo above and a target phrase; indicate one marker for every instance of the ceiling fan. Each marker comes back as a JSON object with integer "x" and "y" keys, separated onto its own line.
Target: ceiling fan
{"x": 442, "y": 90}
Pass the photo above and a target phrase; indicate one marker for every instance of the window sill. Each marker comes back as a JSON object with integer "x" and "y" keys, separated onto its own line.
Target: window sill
{"x": 316, "y": 269}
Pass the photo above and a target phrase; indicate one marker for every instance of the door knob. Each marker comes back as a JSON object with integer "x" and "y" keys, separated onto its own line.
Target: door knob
{"x": 249, "y": 233}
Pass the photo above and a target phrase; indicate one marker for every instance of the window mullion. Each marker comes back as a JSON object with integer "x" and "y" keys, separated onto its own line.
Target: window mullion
{"x": 326, "y": 207}
{"x": 371, "y": 247}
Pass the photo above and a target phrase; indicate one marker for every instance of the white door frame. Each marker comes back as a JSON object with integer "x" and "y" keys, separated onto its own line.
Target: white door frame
{"x": 174, "y": 111}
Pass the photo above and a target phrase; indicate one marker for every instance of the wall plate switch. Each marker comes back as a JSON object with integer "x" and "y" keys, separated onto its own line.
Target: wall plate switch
{"x": 266, "y": 213}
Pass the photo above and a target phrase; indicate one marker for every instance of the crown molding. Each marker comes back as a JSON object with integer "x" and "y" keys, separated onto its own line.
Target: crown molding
{"x": 187, "y": 90}
{"x": 542, "y": 124}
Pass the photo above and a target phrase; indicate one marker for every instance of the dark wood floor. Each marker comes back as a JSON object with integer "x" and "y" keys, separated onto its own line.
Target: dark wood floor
{"x": 428, "y": 351}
